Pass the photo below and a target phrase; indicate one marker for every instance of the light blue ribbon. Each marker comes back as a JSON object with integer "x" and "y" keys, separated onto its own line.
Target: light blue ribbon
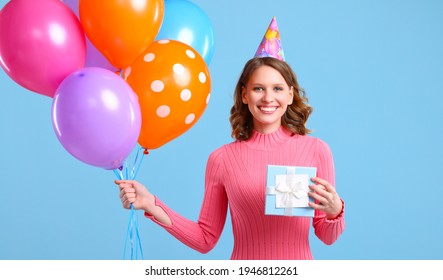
{"x": 132, "y": 234}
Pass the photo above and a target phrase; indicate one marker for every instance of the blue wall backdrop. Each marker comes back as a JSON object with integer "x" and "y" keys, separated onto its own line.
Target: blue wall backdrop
{"x": 373, "y": 71}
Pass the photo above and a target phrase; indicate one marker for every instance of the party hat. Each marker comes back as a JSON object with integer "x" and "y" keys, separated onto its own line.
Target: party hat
{"x": 271, "y": 45}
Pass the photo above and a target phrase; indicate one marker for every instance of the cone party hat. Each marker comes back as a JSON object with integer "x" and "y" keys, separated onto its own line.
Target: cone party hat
{"x": 270, "y": 45}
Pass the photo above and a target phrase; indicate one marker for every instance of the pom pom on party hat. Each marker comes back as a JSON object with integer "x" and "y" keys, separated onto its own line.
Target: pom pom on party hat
{"x": 271, "y": 45}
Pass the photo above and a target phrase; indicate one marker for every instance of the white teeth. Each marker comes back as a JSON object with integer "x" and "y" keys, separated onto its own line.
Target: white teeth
{"x": 268, "y": 109}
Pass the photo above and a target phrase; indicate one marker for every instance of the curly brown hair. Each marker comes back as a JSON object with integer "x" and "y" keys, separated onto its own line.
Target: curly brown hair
{"x": 296, "y": 114}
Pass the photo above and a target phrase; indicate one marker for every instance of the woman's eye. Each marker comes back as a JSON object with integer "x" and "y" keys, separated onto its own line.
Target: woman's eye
{"x": 258, "y": 89}
{"x": 278, "y": 88}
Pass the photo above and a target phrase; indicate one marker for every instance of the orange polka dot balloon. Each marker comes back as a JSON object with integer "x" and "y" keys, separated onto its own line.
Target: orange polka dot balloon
{"x": 173, "y": 85}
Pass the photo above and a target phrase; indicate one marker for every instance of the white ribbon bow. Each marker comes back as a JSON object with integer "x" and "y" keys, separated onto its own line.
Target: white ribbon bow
{"x": 291, "y": 191}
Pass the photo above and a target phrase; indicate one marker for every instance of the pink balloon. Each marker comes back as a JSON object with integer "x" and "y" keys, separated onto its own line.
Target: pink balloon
{"x": 96, "y": 117}
{"x": 41, "y": 43}
{"x": 94, "y": 58}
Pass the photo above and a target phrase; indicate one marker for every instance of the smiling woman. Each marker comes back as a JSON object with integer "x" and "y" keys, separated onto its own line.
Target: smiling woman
{"x": 268, "y": 85}
{"x": 267, "y": 95}
{"x": 268, "y": 123}
{"x": 372, "y": 71}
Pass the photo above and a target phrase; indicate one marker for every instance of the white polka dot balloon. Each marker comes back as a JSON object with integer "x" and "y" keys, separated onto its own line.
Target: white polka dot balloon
{"x": 173, "y": 85}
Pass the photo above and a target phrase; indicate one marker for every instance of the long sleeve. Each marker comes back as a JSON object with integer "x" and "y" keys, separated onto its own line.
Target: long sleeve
{"x": 327, "y": 230}
{"x": 237, "y": 172}
{"x": 204, "y": 234}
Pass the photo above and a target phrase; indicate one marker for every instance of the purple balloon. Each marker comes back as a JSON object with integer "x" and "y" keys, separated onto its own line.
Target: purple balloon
{"x": 94, "y": 58}
{"x": 96, "y": 117}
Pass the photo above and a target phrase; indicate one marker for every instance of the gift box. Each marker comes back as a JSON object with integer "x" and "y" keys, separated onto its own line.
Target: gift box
{"x": 287, "y": 190}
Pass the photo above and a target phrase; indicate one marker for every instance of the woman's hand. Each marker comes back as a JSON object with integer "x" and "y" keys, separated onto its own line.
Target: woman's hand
{"x": 327, "y": 199}
{"x": 132, "y": 192}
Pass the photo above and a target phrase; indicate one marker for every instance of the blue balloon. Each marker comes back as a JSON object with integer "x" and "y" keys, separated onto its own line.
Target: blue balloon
{"x": 184, "y": 21}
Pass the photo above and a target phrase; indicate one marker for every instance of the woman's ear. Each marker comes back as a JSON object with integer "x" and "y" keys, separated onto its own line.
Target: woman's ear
{"x": 243, "y": 95}
{"x": 291, "y": 94}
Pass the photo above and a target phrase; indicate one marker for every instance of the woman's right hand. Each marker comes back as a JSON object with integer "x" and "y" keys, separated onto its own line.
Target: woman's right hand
{"x": 133, "y": 192}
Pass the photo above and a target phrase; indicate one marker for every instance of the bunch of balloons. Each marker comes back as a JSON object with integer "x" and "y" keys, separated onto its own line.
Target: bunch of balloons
{"x": 119, "y": 71}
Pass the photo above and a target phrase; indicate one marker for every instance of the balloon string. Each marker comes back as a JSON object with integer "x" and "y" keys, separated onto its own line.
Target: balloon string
{"x": 132, "y": 230}
{"x": 137, "y": 163}
{"x": 118, "y": 174}
{"x": 135, "y": 244}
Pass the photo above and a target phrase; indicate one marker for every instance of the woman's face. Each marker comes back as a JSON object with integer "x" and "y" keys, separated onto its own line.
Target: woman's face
{"x": 267, "y": 95}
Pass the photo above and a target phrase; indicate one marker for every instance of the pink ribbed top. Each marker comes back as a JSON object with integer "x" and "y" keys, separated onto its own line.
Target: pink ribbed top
{"x": 236, "y": 173}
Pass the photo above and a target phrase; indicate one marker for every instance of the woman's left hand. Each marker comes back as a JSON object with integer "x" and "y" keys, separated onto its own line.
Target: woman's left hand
{"x": 326, "y": 198}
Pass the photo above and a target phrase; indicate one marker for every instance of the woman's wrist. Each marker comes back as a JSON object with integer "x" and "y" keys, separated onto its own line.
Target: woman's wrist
{"x": 150, "y": 203}
{"x": 157, "y": 212}
{"x": 335, "y": 215}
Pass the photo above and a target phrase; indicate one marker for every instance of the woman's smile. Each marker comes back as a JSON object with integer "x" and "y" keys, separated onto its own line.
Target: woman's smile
{"x": 267, "y": 95}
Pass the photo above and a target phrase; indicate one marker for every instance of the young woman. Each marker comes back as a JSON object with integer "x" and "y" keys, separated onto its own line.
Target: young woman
{"x": 268, "y": 123}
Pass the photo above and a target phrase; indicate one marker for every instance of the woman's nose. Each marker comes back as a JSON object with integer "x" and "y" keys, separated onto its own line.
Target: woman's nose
{"x": 267, "y": 96}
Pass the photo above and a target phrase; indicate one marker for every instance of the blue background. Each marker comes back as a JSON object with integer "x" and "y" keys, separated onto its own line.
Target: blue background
{"x": 372, "y": 71}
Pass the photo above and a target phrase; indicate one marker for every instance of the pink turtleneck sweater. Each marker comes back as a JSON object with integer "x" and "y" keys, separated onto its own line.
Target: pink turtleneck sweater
{"x": 236, "y": 175}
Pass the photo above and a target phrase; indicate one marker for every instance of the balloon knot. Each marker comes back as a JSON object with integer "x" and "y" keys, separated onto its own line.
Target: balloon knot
{"x": 146, "y": 152}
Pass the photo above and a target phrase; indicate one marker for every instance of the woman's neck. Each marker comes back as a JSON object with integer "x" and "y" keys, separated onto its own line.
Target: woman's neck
{"x": 260, "y": 140}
